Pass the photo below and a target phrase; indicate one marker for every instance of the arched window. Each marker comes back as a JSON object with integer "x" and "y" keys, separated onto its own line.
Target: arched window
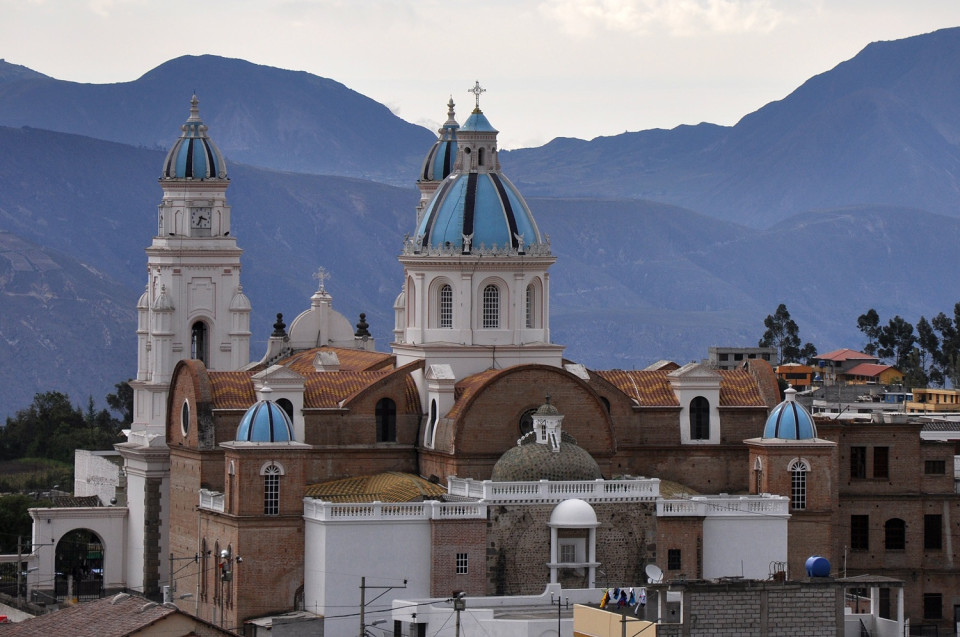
{"x": 798, "y": 485}
{"x": 386, "y": 420}
{"x": 431, "y": 425}
{"x": 411, "y": 302}
{"x": 895, "y": 534}
{"x": 216, "y": 562}
{"x": 491, "y": 307}
{"x": 204, "y": 566}
{"x": 758, "y": 475}
{"x": 445, "y": 306}
{"x": 287, "y": 406}
{"x": 699, "y": 418}
{"x": 271, "y": 489}
{"x": 531, "y": 306}
{"x": 480, "y": 156}
{"x": 198, "y": 342}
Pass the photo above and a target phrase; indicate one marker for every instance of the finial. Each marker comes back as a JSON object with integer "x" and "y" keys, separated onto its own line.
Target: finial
{"x": 451, "y": 115}
{"x": 476, "y": 90}
{"x": 548, "y": 399}
{"x": 362, "y": 327}
{"x": 321, "y": 275}
{"x": 194, "y": 109}
{"x": 279, "y": 328}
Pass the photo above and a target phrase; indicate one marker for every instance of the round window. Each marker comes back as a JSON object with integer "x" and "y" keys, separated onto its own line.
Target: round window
{"x": 185, "y": 418}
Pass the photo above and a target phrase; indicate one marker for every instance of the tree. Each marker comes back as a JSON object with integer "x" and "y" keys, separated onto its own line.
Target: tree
{"x": 929, "y": 346}
{"x": 122, "y": 402}
{"x": 896, "y": 340}
{"x": 783, "y": 334}
{"x": 869, "y": 324}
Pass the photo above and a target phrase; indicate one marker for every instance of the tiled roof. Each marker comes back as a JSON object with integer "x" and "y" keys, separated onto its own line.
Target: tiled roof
{"x": 649, "y": 388}
{"x": 844, "y": 355}
{"x": 101, "y": 618}
{"x": 351, "y": 360}
{"x": 382, "y": 487}
{"x": 653, "y": 389}
{"x": 867, "y": 369}
{"x": 234, "y": 390}
{"x": 70, "y": 501}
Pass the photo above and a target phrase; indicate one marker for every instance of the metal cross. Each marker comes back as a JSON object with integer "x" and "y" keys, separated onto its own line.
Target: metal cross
{"x": 476, "y": 90}
{"x": 321, "y": 275}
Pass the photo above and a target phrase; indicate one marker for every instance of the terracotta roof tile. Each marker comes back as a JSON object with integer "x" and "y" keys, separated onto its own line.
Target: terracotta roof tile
{"x": 382, "y": 487}
{"x": 653, "y": 389}
{"x": 649, "y": 388}
{"x": 844, "y": 354}
{"x": 867, "y": 369}
{"x": 234, "y": 390}
{"x": 100, "y": 618}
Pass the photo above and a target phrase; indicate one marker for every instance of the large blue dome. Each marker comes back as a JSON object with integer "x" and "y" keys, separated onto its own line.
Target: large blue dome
{"x": 194, "y": 155}
{"x": 265, "y": 421}
{"x": 485, "y": 207}
{"x": 790, "y": 420}
{"x": 439, "y": 161}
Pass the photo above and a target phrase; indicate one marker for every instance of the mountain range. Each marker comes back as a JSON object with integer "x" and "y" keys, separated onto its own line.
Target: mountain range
{"x": 838, "y": 198}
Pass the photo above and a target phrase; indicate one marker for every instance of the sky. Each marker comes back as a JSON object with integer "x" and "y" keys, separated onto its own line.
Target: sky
{"x": 551, "y": 68}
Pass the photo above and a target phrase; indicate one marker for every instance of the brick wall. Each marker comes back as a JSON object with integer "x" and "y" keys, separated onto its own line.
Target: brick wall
{"x": 448, "y": 539}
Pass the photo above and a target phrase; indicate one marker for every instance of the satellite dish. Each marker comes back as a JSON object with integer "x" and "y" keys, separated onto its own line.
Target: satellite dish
{"x": 654, "y": 574}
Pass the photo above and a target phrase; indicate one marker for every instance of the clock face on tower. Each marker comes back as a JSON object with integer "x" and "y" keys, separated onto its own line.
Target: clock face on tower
{"x": 200, "y": 218}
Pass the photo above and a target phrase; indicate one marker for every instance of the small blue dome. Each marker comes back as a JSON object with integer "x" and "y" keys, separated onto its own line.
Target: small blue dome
{"x": 478, "y": 122}
{"x": 440, "y": 159}
{"x": 266, "y": 421}
{"x": 790, "y": 420}
{"x": 194, "y": 155}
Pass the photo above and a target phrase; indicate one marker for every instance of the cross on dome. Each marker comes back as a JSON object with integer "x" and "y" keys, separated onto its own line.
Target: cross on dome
{"x": 476, "y": 90}
{"x": 321, "y": 275}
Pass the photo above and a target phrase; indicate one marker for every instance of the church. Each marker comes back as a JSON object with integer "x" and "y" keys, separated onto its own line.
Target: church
{"x": 472, "y": 456}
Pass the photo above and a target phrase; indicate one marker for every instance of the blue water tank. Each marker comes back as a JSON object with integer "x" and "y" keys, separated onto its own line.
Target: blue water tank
{"x": 818, "y": 566}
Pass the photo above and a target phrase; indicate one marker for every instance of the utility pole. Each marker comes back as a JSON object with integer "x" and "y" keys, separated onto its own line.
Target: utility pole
{"x": 363, "y": 600}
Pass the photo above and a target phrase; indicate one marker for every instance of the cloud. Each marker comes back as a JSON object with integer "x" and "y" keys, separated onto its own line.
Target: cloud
{"x": 685, "y": 18}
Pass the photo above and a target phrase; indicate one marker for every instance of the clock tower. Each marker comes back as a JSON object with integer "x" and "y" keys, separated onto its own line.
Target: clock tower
{"x": 193, "y": 308}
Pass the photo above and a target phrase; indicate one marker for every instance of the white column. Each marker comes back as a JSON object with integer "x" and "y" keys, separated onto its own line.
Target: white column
{"x": 592, "y": 557}
{"x": 554, "y": 554}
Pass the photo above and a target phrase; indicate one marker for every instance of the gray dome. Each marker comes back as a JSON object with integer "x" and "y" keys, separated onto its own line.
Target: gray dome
{"x": 530, "y": 462}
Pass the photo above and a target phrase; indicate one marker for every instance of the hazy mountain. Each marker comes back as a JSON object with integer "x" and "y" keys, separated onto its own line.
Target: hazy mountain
{"x": 880, "y": 129}
{"x": 287, "y": 120}
{"x": 872, "y": 144}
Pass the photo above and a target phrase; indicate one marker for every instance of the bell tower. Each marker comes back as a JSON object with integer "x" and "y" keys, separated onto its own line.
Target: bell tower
{"x": 193, "y": 307}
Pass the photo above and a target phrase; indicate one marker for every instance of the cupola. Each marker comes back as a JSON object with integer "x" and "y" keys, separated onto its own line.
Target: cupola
{"x": 194, "y": 155}
{"x": 790, "y": 420}
{"x": 265, "y": 421}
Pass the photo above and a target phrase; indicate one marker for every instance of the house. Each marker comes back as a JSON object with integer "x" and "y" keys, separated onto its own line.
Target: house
{"x": 121, "y": 615}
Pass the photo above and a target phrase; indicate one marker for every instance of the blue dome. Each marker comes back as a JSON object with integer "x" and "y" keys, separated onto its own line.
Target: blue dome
{"x": 266, "y": 421}
{"x": 440, "y": 159}
{"x": 790, "y": 420}
{"x": 484, "y": 205}
{"x": 194, "y": 155}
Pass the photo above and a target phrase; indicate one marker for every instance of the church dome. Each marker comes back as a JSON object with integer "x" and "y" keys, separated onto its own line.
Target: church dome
{"x": 194, "y": 155}
{"x": 439, "y": 161}
{"x": 790, "y": 420}
{"x": 477, "y": 208}
{"x": 530, "y": 462}
{"x": 574, "y": 513}
{"x": 265, "y": 421}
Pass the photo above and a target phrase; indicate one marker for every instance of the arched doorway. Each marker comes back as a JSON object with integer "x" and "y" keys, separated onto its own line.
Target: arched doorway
{"x": 79, "y": 566}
